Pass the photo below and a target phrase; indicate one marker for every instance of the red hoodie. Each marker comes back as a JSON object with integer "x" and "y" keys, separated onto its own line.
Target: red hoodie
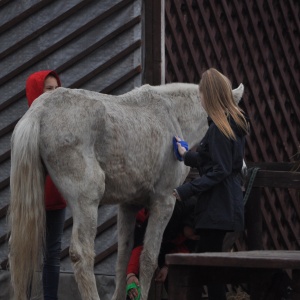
{"x": 35, "y": 88}
{"x": 178, "y": 245}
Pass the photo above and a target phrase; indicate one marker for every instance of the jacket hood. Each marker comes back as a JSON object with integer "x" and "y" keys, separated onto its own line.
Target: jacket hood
{"x": 35, "y": 84}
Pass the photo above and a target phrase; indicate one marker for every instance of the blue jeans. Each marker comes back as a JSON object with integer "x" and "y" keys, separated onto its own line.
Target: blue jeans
{"x": 54, "y": 230}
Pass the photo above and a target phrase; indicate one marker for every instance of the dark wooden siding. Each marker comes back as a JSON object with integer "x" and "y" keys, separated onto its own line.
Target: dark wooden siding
{"x": 257, "y": 43}
{"x": 94, "y": 45}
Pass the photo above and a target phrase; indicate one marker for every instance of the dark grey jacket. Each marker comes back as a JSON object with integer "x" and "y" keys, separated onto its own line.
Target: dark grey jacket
{"x": 219, "y": 188}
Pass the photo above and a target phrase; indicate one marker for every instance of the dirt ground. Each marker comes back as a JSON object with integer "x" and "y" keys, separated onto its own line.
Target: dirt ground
{"x": 240, "y": 295}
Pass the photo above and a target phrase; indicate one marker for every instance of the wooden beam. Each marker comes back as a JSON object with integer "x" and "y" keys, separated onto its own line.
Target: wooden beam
{"x": 277, "y": 179}
{"x": 154, "y": 42}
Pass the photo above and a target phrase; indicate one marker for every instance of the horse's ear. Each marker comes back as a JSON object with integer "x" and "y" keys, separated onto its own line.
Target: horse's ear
{"x": 238, "y": 93}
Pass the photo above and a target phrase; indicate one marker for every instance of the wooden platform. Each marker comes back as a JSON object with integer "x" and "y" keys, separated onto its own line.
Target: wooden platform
{"x": 187, "y": 272}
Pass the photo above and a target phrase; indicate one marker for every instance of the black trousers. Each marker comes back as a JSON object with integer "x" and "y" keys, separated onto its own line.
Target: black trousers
{"x": 55, "y": 220}
{"x": 211, "y": 240}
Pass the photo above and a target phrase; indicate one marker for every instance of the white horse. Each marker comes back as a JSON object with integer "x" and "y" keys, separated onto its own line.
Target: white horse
{"x": 100, "y": 149}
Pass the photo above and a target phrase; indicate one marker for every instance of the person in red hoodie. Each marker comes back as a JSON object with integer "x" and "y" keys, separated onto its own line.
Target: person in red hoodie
{"x": 37, "y": 84}
{"x": 179, "y": 237}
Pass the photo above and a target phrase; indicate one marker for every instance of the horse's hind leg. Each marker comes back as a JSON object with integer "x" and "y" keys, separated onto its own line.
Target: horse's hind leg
{"x": 84, "y": 197}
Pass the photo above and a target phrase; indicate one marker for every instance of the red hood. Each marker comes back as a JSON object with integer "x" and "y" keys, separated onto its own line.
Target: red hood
{"x": 35, "y": 88}
{"x": 35, "y": 84}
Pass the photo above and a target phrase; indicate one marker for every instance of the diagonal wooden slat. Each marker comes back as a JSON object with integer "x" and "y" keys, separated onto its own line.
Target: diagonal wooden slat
{"x": 177, "y": 41}
{"x": 122, "y": 80}
{"x": 80, "y": 56}
{"x": 187, "y": 39}
{"x": 65, "y": 252}
{"x": 107, "y": 64}
{"x": 283, "y": 77}
{"x": 25, "y": 14}
{"x": 287, "y": 13}
{"x": 41, "y": 30}
{"x": 65, "y": 40}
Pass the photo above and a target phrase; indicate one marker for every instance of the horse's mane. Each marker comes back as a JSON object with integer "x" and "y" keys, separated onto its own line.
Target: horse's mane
{"x": 141, "y": 96}
{"x": 179, "y": 87}
{"x": 167, "y": 89}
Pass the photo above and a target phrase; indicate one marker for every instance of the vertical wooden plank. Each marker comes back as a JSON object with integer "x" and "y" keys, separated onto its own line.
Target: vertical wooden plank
{"x": 253, "y": 219}
{"x": 154, "y": 42}
{"x": 296, "y": 285}
{"x": 184, "y": 283}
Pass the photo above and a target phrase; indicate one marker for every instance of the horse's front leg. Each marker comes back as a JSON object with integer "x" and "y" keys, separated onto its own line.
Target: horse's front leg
{"x": 126, "y": 223}
{"x": 159, "y": 217}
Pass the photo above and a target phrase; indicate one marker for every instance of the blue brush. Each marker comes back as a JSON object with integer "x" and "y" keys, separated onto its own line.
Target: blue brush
{"x": 175, "y": 148}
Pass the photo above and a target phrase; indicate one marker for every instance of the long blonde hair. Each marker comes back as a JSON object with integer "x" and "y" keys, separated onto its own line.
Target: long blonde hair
{"x": 217, "y": 99}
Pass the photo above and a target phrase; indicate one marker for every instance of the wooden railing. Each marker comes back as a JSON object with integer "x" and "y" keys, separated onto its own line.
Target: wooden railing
{"x": 258, "y": 268}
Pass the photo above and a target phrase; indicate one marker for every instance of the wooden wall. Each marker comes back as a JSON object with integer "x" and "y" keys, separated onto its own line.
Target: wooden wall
{"x": 257, "y": 43}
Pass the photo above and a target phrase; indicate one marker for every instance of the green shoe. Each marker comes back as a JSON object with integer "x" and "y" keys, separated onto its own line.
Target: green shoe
{"x": 134, "y": 286}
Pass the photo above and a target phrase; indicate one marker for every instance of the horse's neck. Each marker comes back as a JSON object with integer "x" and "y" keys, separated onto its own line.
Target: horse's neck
{"x": 194, "y": 128}
{"x": 184, "y": 101}
{"x": 190, "y": 114}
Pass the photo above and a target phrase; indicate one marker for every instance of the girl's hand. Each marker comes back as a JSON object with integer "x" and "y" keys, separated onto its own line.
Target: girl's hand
{"x": 176, "y": 195}
{"x": 162, "y": 275}
{"x": 189, "y": 233}
{"x": 133, "y": 293}
{"x": 181, "y": 149}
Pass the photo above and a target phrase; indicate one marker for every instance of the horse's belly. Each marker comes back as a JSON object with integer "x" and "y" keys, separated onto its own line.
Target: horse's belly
{"x": 116, "y": 195}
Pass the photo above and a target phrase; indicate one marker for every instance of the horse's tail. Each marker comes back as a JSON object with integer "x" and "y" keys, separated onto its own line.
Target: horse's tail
{"x": 27, "y": 209}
